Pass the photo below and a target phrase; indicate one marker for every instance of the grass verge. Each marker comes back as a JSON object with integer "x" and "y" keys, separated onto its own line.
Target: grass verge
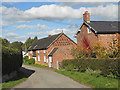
{"x": 36, "y": 65}
{"x": 91, "y": 80}
{"x": 14, "y": 81}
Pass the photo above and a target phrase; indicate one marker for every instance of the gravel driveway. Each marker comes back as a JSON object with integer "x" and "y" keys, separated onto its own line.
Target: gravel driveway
{"x": 43, "y": 78}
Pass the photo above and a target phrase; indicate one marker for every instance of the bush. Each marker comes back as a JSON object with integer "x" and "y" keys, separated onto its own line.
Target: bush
{"x": 26, "y": 58}
{"x": 11, "y": 60}
{"x": 32, "y": 61}
{"x": 106, "y": 66}
{"x": 93, "y": 72}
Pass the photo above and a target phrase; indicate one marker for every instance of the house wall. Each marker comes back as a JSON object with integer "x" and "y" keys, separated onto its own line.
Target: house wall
{"x": 88, "y": 40}
{"x": 60, "y": 55}
{"x": 61, "y": 42}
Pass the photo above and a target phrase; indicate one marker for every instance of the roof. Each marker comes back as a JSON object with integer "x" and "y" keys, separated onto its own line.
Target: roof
{"x": 103, "y": 27}
{"x": 63, "y": 49}
{"x": 43, "y": 43}
{"x": 53, "y": 51}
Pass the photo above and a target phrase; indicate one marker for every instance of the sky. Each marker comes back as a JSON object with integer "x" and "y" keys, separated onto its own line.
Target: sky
{"x": 21, "y": 19}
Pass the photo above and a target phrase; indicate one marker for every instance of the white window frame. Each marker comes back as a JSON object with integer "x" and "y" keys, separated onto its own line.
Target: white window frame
{"x": 38, "y": 51}
{"x": 31, "y": 52}
{"x": 39, "y": 58}
{"x": 44, "y": 58}
{"x": 89, "y": 31}
{"x": 44, "y": 51}
{"x": 29, "y": 57}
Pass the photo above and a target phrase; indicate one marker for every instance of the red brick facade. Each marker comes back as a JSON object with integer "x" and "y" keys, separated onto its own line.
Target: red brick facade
{"x": 87, "y": 39}
{"x": 61, "y": 41}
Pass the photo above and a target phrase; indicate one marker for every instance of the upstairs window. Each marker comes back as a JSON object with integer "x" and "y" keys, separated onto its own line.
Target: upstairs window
{"x": 89, "y": 31}
{"x": 44, "y": 51}
{"x": 38, "y": 51}
{"x": 31, "y": 52}
{"x": 44, "y": 58}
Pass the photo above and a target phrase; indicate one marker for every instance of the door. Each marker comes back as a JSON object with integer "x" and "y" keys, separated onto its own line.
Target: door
{"x": 50, "y": 61}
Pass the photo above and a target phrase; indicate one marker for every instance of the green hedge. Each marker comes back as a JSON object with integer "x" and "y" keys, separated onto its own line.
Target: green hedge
{"x": 32, "y": 61}
{"x": 106, "y": 66}
{"x": 11, "y": 60}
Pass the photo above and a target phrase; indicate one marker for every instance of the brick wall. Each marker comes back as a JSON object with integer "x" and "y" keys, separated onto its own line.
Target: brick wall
{"x": 61, "y": 54}
{"x": 88, "y": 39}
{"x": 61, "y": 42}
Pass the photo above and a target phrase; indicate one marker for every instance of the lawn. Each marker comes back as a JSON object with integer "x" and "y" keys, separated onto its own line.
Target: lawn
{"x": 14, "y": 81}
{"x": 91, "y": 80}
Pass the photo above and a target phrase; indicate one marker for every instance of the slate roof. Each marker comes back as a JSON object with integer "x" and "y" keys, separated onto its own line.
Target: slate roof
{"x": 53, "y": 51}
{"x": 43, "y": 43}
{"x": 105, "y": 26}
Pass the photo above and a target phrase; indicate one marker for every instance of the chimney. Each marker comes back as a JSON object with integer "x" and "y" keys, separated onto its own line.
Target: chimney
{"x": 86, "y": 17}
{"x": 49, "y": 35}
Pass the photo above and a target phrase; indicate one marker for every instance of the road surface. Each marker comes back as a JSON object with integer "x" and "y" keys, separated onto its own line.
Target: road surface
{"x": 43, "y": 78}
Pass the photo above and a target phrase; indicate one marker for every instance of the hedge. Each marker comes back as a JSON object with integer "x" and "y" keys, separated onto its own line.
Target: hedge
{"x": 32, "y": 61}
{"x": 11, "y": 60}
{"x": 106, "y": 66}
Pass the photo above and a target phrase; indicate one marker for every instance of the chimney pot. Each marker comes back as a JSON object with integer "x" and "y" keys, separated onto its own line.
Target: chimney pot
{"x": 49, "y": 35}
{"x": 86, "y": 16}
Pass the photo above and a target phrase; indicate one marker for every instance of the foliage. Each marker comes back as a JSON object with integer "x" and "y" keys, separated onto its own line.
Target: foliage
{"x": 93, "y": 72}
{"x": 37, "y": 65}
{"x": 31, "y": 61}
{"x": 26, "y": 58}
{"x": 28, "y": 43}
{"x": 11, "y": 59}
{"x": 5, "y": 42}
{"x": 106, "y": 66}
{"x": 17, "y": 45}
{"x": 91, "y": 80}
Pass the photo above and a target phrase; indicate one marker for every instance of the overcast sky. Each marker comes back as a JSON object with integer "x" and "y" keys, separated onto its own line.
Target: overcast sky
{"x": 21, "y": 20}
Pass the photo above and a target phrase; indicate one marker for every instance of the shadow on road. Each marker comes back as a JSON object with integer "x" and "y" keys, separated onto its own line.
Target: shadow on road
{"x": 22, "y": 73}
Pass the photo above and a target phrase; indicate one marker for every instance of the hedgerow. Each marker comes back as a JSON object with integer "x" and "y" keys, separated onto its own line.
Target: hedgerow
{"x": 108, "y": 67}
{"x": 11, "y": 60}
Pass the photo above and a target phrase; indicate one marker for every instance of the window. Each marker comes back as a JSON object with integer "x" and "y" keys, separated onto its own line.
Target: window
{"x": 44, "y": 58}
{"x": 29, "y": 57}
{"x": 38, "y": 51}
{"x": 44, "y": 51}
{"x": 38, "y": 58}
{"x": 89, "y": 31}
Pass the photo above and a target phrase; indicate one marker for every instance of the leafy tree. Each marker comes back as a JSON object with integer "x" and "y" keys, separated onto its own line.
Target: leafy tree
{"x": 17, "y": 45}
{"x": 5, "y": 42}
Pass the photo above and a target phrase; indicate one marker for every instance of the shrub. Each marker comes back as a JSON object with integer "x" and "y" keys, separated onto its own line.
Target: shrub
{"x": 26, "y": 58}
{"x": 11, "y": 60}
{"x": 32, "y": 61}
{"x": 93, "y": 72}
{"x": 106, "y": 66}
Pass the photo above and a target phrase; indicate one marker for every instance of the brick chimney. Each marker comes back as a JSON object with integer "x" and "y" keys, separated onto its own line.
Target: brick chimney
{"x": 86, "y": 17}
{"x": 49, "y": 35}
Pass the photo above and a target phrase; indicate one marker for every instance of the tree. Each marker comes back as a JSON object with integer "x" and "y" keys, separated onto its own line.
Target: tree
{"x": 5, "y": 42}
{"x": 17, "y": 45}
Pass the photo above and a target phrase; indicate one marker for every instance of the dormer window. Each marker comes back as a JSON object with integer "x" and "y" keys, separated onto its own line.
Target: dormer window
{"x": 89, "y": 31}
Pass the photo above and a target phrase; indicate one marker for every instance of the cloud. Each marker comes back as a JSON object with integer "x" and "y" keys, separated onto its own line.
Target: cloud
{"x": 52, "y": 32}
{"x": 38, "y": 27}
{"x": 56, "y": 12}
{"x": 72, "y": 26}
{"x": 56, "y": 31}
{"x": 14, "y": 37}
{"x": 35, "y": 34}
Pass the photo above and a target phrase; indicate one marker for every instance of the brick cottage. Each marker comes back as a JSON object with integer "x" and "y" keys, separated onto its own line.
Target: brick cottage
{"x": 52, "y": 50}
{"x": 90, "y": 32}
